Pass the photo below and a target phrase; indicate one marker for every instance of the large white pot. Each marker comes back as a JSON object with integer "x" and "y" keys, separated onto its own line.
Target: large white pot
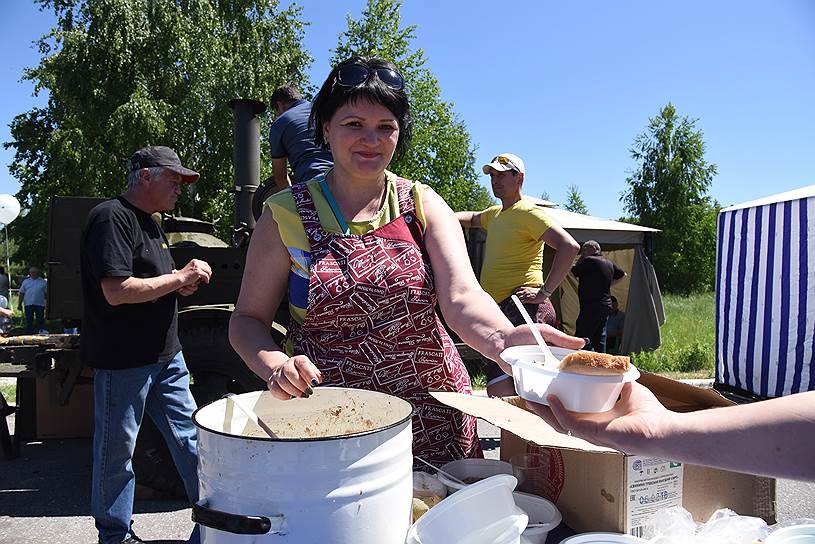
{"x": 339, "y": 471}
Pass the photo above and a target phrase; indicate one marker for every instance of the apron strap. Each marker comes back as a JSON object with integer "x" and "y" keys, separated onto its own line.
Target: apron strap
{"x": 404, "y": 191}
{"x": 308, "y": 214}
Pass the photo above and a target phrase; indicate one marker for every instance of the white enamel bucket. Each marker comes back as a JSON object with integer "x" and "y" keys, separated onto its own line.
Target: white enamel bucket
{"x": 339, "y": 471}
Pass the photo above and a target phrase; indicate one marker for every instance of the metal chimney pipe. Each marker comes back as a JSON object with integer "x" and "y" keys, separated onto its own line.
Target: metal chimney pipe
{"x": 247, "y": 164}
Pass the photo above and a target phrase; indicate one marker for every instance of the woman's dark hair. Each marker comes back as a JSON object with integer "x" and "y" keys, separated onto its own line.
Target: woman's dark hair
{"x": 333, "y": 96}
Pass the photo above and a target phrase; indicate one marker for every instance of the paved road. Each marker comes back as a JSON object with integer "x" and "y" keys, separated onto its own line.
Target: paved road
{"x": 45, "y": 497}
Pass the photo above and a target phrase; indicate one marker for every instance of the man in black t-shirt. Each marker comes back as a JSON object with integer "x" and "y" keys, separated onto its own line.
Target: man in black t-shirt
{"x": 129, "y": 336}
{"x": 596, "y": 274}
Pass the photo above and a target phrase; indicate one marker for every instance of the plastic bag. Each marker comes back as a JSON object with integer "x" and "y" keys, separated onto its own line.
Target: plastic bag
{"x": 676, "y": 526}
{"x": 672, "y": 525}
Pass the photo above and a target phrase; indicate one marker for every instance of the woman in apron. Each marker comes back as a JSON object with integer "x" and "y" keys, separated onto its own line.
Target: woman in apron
{"x": 365, "y": 256}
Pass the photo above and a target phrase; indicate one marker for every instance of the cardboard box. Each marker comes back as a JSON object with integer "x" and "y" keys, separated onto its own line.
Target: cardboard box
{"x": 600, "y": 489}
{"x": 74, "y": 420}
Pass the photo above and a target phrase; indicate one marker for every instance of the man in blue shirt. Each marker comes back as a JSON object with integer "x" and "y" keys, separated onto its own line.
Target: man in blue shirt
{"x": 292, "y": 138}
{"x": 32, "y": 297}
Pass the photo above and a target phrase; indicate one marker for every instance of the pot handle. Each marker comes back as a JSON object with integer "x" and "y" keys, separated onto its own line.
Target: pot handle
{"x": 238, "y": 524}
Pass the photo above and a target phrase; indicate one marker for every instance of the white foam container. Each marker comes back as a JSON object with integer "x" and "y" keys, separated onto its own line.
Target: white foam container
{"x": 577, "y": 392}
{"x": 506, "y": 531}
{"x": 482, "y": 512}
{"x": 539, "y": 510}
{"x": 796, "y": 534}
{"x": 602, "y": 538}
{"x": 472, "y": 468}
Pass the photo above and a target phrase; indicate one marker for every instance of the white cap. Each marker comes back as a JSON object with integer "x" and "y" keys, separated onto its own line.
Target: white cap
{"x": 504, "y": 162}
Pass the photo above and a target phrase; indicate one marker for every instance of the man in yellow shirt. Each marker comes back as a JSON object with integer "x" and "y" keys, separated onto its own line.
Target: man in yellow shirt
{"x": 517, "y": 229}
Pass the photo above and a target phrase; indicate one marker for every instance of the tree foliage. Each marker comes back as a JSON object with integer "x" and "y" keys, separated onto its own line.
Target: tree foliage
{"x": 122, "y": 74}
{"x": 441, "y": 154}
{"x": 574, "y": 201}
{"x": 668, "y": 191}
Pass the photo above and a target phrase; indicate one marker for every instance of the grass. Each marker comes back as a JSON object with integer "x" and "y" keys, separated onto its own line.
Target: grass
{"x": 9, "y": 392}
{"x": 479, "y": 380}
{"x": 688, "y": 339}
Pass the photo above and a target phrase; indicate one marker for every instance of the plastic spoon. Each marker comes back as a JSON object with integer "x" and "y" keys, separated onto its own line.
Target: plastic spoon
{"x": 440, "y": 471}
{"x": 231, "y": 397}
{"x": 548, "y": 357}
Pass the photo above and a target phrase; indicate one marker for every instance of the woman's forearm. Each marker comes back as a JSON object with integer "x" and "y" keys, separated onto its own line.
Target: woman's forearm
{"x": 771, "y": 437}
{"x": 475, "y": 318}
{"x": 252, "y": 341}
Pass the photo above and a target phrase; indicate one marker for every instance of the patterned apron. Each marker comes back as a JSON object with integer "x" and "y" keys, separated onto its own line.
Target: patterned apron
{"x": 371, "y": 324}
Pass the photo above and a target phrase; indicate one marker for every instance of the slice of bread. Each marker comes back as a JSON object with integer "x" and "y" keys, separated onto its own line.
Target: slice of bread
{"x": 595, "y": 364}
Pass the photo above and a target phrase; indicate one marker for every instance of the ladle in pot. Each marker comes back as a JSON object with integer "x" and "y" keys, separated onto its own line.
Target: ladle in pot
{"x": 253, "y": 417}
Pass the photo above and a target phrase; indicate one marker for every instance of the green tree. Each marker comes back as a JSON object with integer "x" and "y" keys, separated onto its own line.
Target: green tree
{"x": 545, "y": 196}
{"x": 441, "y": 154}
{"x": 668, "y": 191}
{"x": 574, "y": 202}
{"x": 121, "y": 74}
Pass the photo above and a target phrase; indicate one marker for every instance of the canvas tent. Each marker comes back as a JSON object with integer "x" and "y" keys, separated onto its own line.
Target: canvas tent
{"x": 765, "y": 296}
{"x": 624, "y": 244}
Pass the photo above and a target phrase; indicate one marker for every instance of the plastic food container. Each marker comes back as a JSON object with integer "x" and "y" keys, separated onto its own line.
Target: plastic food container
{"x": 796, "y": 534}
{"x": 481, "y": 512}
{"x": 602, "y": 538}
{"x": 472, "y": 470}
{"x": 577, "y": 392}
{"x": 539, "y": 511}
{"x": 428, "y": 488}
{"x": 532, "y": 471}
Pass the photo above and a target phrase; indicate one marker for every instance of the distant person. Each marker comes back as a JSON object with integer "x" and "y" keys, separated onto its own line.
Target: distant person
{"x": 4, "y": 283}
{"x": 614, "y": 327}
{"x": 517, "y": 230}
{"x": 770, "y": 438}
{"x": 129, "y": 336}
{"x": 6, "y": 313}
{"x": 32, "y": 299}
{"x": 596, "y": 274}
{"x": 291, "y": 138}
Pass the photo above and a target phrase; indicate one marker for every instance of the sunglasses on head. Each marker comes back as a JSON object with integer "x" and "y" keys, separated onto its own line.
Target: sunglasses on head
{"x": 503, "y": 161}
{"x": 351, "y": 75}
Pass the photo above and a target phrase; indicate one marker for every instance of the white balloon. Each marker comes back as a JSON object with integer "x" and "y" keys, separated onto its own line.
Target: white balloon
{"x": 9, "y": 209}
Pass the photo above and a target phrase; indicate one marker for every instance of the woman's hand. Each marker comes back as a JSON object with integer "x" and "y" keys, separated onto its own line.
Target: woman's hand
{"x": 636, "y": 418}
{"x": 522, "y": 336}
{"x": 294, "y": 378}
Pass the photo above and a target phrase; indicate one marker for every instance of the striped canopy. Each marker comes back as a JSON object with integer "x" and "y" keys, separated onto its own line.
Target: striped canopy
{"x": 765, "y": 295}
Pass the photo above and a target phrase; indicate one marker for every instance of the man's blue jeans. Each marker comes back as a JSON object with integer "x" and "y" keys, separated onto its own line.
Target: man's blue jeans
{"x": 121, "y": 398}
{"x": 32, "y": 313}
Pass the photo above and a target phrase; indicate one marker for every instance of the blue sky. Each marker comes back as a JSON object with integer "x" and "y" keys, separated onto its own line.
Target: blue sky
{"x": 568, "y": 85}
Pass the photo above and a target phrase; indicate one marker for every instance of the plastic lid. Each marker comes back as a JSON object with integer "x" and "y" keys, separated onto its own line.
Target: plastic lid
{"x": 794, "y": 534}
{"x": 602, "y": 538}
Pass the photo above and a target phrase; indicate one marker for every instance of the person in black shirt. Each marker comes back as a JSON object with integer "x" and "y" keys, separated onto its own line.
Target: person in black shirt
{"x": 596, "y": 274}
{"x": 129, "y": 336}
